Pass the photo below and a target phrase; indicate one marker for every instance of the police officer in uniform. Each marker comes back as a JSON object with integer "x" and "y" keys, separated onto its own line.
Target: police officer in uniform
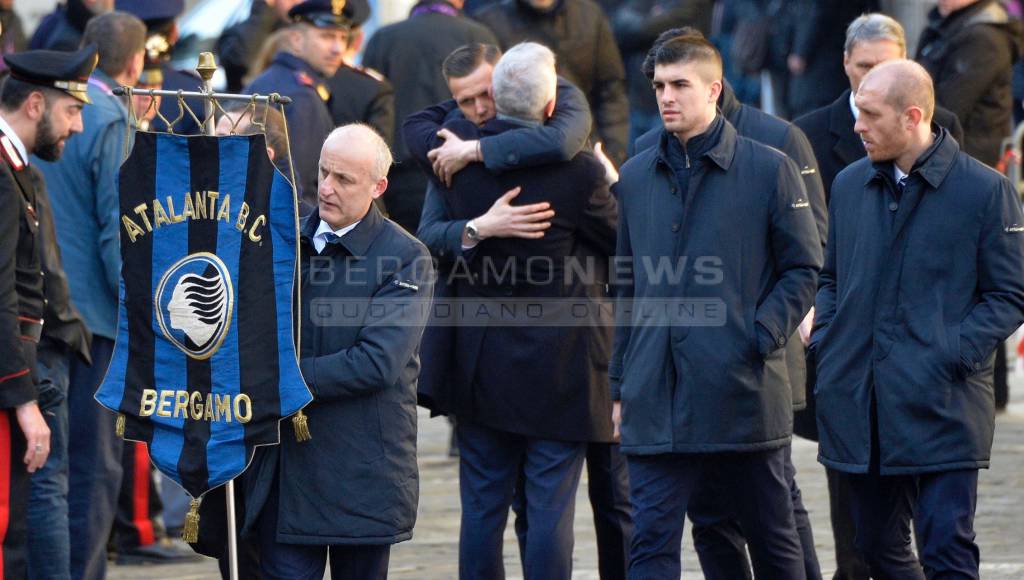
{"x": 359, "y": 93}
{"x": 314, "y": 50}
{"x": 40, "y": 108}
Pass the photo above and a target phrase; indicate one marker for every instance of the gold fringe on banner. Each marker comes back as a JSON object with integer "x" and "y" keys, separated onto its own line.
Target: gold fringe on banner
{"x": 119, "y": 425}
{"x": 190, "y": 531}
{"x": 301, "y": 424}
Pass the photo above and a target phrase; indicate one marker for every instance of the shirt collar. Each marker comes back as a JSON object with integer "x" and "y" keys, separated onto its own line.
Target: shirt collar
{"x": 853, "y": 107}
{"x": 325, "y": 229}
{"x": 358, "y": 239}
{"x": 15, "y": 140}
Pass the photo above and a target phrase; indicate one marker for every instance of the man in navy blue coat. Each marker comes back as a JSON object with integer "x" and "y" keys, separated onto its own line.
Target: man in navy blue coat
{"x": 703, "y": 387}
{"x": 523, "y": 396}
{"x": 923, "y": 278}
{"x": 468, "y": 71}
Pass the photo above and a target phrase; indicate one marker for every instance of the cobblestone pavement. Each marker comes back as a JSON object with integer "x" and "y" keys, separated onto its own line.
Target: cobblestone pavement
{"x": 432, "y": 553}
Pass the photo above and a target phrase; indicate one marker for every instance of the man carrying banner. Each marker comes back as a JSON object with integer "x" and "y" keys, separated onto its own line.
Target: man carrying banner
{"x": 40, "y": 108}
{"x": 350, "y": 491}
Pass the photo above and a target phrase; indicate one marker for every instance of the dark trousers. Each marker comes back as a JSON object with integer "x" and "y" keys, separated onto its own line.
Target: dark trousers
{"x": 137, "y": 522}
{"x": 754, "y": 483}
{"x": 49, "y": 543}
{"x": 849, "y": 564}
{"x": 490, "y": 462}
{"x": 94, "y": 465}
{"x": 941, "y": 506}
{"x": 303, "y": 562}
{"x": 608, "y": 487}
{"x": 719, "y": 539}
{"x": 14, "y": 493}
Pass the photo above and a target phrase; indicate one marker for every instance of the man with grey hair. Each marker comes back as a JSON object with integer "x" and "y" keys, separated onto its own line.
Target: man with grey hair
{"x": 524, "y": 82}
{"x": 871, "y": 39}
{"x": 350, "y": 491}
{"x": 524, "y": 397}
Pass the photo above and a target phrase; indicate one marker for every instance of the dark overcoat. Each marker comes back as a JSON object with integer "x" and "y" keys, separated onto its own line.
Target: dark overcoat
{"x": 546, "y": 380}
{"x": 356, "y": 480}
{"x": 752, "y": 252}
{"x": 753, "y": 123}
{"x": 915, "y": 295}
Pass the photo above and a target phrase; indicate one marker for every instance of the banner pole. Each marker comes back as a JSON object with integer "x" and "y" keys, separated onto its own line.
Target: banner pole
{"x": 206, "y": 68}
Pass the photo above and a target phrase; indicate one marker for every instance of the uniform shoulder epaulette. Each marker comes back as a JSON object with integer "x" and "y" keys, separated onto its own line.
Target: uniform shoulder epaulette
{"x": 10, "y": 153}
{"x": 372, "y": 73}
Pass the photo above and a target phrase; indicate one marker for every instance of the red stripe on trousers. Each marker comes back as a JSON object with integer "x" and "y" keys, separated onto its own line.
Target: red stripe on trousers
{"x": 140, "y": 497}
{"x": 5, "y": 481}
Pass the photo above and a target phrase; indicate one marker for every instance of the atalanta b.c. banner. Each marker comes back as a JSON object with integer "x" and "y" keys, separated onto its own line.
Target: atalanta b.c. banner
{"x": 204, "y": 366}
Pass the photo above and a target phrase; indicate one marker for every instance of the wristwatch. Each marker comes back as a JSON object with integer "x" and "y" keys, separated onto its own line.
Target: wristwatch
{"x": 471, "y": 232}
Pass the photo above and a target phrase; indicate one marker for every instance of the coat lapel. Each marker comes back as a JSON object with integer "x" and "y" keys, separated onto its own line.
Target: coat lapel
{"x": 848, "y": 145}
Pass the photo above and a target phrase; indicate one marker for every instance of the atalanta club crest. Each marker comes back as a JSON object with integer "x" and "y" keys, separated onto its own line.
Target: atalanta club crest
{"x": 194, "y": 302}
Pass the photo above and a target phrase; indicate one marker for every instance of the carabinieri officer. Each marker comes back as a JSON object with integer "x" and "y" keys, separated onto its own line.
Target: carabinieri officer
{"x": 40, "y": 108}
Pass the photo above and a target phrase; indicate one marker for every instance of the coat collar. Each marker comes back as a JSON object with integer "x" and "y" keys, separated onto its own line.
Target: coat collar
{"x": 289, "y": 60}
{"x": 357, "y": 241}
{"x": 848, "y": 145}
{"x": 721, "y": 153}
{"x": 934, "y": 164}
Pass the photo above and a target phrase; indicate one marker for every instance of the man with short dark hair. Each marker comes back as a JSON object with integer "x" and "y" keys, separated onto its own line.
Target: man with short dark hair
{"x": 86, "y": 213}
{"x": 315, "y": 45}
{"x": 706, "y": 401}
{"x": 469, "y": 70}
{"x": 40, "y": 109}
{"x": 923, "y": 279}
{"x": 524, "y": 398}
{"x": 409, "y": 53}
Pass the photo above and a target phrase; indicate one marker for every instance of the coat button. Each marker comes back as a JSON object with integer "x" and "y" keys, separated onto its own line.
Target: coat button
{"x": 781, "y": 341}
{"x": 977, "y": 365}
{"x": 674, "y": 190}
{"x": 893, "y": 206}
{"x": 675, "y": 227}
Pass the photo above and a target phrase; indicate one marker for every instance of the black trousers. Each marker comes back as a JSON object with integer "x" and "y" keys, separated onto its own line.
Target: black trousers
{"x": 721, "y": 544}
{"x": 942, "y": 507}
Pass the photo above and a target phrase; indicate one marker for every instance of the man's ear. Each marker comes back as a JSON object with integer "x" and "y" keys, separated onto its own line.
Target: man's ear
{"x": 716, "y": 91}
{"x": 137, "y": 64}
{"x": 35, "y": 105}
{"x": 380, "y": 187}
{"x": 914, "y": 116}
{"x": 355, "y": 39}
{"x": 270, "y": 152}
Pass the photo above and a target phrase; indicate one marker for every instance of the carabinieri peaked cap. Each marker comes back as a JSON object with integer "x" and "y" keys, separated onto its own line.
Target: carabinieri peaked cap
{"x": 330, "y": 13}
{"x": 66, "y": 71}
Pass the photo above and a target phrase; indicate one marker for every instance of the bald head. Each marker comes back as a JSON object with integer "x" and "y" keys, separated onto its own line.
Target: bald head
{"x": 904, "y": 84}
{"x": 366, "y": 142}
{"x": 354, "y": 163}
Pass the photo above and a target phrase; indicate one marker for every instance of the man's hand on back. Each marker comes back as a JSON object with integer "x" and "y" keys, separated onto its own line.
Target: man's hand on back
{"x": 504, "y": 220}
{"x": 450, "y": 158}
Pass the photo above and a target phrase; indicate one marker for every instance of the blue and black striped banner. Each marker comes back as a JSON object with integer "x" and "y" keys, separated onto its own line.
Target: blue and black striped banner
{"x": 204, "y": 367}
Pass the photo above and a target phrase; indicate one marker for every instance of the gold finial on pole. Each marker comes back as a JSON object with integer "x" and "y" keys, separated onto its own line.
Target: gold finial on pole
{"x": 207, "y": 66}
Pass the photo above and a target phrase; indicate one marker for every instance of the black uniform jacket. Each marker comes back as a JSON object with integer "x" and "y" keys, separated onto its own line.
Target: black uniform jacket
{"x": 21, "y": 278}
